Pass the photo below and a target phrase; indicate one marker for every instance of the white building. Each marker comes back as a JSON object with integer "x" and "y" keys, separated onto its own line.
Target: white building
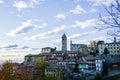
{"x": 95, "y": 64}
{"x": 113, "y": 48}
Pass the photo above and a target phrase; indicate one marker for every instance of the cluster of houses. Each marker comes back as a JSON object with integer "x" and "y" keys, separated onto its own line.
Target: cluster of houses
{"x": 77, "y": 61}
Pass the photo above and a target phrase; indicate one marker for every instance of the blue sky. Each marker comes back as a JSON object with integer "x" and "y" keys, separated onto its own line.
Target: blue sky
{"x": 28, "y": 25}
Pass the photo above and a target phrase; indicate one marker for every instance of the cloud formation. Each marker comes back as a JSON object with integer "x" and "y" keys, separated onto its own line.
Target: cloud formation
{"x": 24, "y": 28}
{"x": 101, "y": 2}
{"x": 92, "y": 10}
{"x": 17, "y": 47}
{"x": 1, "y": 1}
{"x": 75, "y": 36}
{"x": 47, "y": 34}
{"x": 11, "y": 46}
{"x": 30, "y": 4}
{"x": 85, "y": 24}
{"x": 61, "y": 16}
{"x": 78, "y": 10}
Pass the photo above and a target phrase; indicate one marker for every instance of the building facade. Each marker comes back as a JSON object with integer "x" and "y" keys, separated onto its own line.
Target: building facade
{"x": 113, "y": 48}
{"x": 46, "y": 50}
{"x": 78, "y": 47}
{"x": 95, "y": 64}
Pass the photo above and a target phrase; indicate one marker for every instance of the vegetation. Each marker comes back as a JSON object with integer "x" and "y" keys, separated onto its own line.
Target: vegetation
{"x": 8, "y": 72}
{"x": 50, "y": 77}
{"x": 116, "y": 77}
{"x": 94, "y": 47}
{"x": 60, "y": 76}
{"x": 106, "y": 51}
{"x": 40, "y": 67}
{"x": 97, "y": 77}
{"x": 111, "y": 20}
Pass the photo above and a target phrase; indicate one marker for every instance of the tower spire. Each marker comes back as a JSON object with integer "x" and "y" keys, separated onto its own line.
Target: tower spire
{"x": 70, "y": 45}
{"x": 64, "y": 43}
{"x": 114, "y": 39}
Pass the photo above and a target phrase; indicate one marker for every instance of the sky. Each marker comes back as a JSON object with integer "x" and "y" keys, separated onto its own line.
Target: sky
{"x": 26, "y": 26}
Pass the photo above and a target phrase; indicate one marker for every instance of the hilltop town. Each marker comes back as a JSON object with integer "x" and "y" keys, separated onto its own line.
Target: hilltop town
{"x": 80, "y": 63}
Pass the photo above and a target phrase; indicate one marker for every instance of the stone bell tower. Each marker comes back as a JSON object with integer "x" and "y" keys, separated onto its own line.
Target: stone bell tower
{"x": 64, "y": 43}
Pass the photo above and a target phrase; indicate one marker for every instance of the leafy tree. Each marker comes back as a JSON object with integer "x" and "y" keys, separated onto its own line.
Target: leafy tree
{"x": 94, "y": 47}
{"x": 40, "y": 67}
{"x": 60, "y": 74}
{"x": 8, "y": 72}
{"x": 50, "y": 77}
{"x": 8, "y": 66}
{"x": 106, "y": 51}
{"x": 97, "y": 76}
{"x": 53, "y": 49}
{"x": 23, "y": 76}
{"x": 111, "y": 20}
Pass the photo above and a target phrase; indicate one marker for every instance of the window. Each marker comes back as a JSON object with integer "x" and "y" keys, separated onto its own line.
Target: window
{"x": 118, "y": 51}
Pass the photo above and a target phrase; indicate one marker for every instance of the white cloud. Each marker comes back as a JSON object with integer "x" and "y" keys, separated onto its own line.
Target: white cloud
{"x": 16, "y": 55}
{"x": 73, "y": 0}
{"x": 87, "y": 23}
{"x": 78, "y": 10}
{"x": 61, "y": 16}
{"x": 47, "y": 34}
{"x": 32, "y": 3}
{"x": 22, "y": 4}
{"x": 1, "y": 1}
{"x": 87, "y": 41}
{"x": 24, "y": 28}
{"x": 43, "y": 25}
{"x": 19, "y": 15}
{"x": 83, "y": 41}
{"x": 75, "y": 36}
{"x": 99, "y": 38}
{"x": 77, "y": 0}
{"x": 93, "y": 10}
{"x": 100, "y": 2}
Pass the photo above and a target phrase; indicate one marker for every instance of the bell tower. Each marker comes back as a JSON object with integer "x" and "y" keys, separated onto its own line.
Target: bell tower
{"x": 64, "y": 43}
{"x": 70, "y": 45}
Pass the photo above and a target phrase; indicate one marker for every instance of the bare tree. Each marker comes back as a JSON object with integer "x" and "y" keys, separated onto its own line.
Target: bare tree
{"x": 111, "y": 21}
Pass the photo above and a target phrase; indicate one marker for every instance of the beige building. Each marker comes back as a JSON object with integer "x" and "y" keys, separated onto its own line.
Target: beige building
{"x": 37, "y": 57}
{"x": 46, "y": 50}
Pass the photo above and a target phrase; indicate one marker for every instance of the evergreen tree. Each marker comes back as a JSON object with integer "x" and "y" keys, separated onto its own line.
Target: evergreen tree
{"x": 97, "y": 77}
{"x": 106, "y": 51}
